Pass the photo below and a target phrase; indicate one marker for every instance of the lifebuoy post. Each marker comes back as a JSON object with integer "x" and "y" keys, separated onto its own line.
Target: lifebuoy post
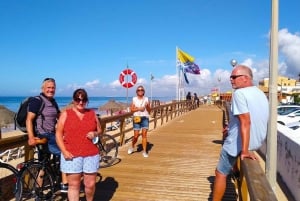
{"x": 128, "y": 83}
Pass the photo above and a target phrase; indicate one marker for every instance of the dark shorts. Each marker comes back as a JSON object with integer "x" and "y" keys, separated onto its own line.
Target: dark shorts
{"x": 52, "y": 146}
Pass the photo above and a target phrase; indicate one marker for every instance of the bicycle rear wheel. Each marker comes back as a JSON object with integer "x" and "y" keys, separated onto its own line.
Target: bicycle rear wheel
{"x": 36, "y": 182}
{"x": 8, "y": 182}
{"x": 108, "y": 149}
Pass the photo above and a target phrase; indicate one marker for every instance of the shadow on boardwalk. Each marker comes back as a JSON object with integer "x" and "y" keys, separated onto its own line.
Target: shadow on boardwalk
{"x": 182, "y": 158}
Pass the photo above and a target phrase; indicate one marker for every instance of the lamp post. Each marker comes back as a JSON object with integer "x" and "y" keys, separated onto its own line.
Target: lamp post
{"x": 233, "y": 63}
{"x": 219, "y": 80}
{"x": 280, "y": 90}
{"x": 151, "y": 80}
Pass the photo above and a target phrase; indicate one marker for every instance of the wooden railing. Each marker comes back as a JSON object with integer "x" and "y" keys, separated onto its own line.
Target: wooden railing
{"x": 253, "y": 183}
{"x": 164, "y": 113}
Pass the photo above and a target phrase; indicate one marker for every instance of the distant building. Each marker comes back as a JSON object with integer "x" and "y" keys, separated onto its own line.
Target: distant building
{"x": 286, "y": 88}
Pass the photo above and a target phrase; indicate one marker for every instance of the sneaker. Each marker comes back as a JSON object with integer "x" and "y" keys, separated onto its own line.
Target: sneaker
{"x": 64, "y": 188}
{"x": 81, "y": 189}
{"x": 145, "y": 155}
{"x": 130, "y": 150}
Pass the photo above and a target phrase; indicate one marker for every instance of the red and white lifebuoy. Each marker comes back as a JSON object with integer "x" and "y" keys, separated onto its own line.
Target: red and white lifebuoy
{"x": 128, "y": 72}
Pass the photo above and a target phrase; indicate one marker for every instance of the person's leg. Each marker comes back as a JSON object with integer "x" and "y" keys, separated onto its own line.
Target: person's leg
{"x": 89, "y": 181}
{"x": 54, "y": 149}
{"x": 145, "y": 127}
{"x": 74, "y": 186}
{"x": 219, "y": 186}
{"x": 135, "y": 137}
{"x": 73, "y": 169}
{"x": 90, "y": 169}
{"x": 136, "y": 131}
{"x": 144, "y": 140}
{"x": 224, "y": 167}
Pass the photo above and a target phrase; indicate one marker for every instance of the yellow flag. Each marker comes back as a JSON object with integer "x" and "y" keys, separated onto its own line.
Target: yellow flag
{"x": 184, "y": 57}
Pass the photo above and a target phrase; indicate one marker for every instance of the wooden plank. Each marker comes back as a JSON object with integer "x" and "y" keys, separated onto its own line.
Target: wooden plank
{"x": 257, "y": 183}
{"x": 183, "y": 154}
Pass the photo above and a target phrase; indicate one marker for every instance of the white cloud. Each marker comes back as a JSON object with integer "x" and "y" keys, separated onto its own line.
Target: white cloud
{"x": 165, "y": 86}
{"x": 92, "y": 84}
{"x": 289, "y": 46}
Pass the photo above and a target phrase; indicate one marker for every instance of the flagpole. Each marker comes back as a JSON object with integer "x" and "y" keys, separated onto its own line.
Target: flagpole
{"x": 179, "y": 77}
{"x": 151, "y": 78}
{"x": 177, "y": 73}
{"x": 127, "y": 86}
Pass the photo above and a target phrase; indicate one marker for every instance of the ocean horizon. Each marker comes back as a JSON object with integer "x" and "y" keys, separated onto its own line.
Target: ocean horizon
{"x": 13, "y": 102}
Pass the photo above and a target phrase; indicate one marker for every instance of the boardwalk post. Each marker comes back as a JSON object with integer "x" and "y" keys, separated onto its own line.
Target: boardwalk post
{"x": 271, "y": 159}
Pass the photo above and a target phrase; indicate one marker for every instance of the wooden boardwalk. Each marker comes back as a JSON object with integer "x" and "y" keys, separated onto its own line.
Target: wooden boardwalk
{"x": 183, "y": 154}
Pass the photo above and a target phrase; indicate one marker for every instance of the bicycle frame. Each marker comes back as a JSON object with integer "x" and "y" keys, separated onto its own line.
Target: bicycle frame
{"x": 40, "y": 178}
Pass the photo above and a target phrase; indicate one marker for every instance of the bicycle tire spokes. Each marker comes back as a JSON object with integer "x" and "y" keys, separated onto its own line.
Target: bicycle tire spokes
{"x": 36, "y": 183}
{"x": 108, "y": 149}
{"x": 8, "y": 181}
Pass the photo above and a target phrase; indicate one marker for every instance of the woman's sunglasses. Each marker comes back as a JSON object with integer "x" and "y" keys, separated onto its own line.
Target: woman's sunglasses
{"x": 78, "y": 100}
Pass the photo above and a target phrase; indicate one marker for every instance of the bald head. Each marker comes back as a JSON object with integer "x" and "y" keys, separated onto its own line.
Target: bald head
{"x": 243, "y": 70}
{"x": 241, "y": 76}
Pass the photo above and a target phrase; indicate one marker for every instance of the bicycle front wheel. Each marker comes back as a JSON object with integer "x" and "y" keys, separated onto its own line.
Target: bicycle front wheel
{"x": 108, "y": 149}
{"x": 36, "y": 182}
{"x": 8, "y": 182}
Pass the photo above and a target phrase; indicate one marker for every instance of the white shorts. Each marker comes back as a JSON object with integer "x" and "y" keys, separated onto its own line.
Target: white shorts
{"x": 88, "y": 164}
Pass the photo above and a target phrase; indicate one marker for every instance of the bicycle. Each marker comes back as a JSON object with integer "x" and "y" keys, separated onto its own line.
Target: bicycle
{"x": 40, "y": 179}
{"x": 9, "y": 185}
{"x": 108, "y": 150}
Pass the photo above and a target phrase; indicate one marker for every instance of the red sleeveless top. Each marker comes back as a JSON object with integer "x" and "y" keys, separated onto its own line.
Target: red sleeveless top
{"x": 75, "y": 131}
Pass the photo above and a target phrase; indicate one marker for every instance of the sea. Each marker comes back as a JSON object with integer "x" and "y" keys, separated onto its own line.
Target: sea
{"x": 13, "y": 102}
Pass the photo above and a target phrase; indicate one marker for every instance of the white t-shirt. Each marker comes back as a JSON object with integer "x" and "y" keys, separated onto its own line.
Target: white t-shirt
{"x": 247, "y": 100}
{"x": 140, "y": 103}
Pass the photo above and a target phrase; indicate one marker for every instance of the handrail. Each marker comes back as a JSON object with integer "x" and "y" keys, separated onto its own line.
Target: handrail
{"x": 163, "y": 112}
{"x": 253, "y": 184}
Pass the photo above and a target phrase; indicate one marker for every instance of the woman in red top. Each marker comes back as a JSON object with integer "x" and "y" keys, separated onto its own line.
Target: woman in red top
{"x": 76, "y": 128}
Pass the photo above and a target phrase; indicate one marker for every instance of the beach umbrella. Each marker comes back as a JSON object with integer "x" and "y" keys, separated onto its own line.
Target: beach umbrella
{"x": 6, "y": 116}
{"x": 112, "y": 106}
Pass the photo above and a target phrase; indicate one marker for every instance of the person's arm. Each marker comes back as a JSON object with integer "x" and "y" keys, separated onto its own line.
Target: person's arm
{"x": 245, "y": 123}
{"x": 134, "y": 108}
{"x": 30, "y": 128}
{"x": 148, "y": 107}
{"x": 98, "y": 131}
{"x": 59, "y": 135}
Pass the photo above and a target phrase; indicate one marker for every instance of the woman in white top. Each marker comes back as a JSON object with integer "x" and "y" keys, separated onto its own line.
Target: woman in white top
{"x": 140, "y": 107}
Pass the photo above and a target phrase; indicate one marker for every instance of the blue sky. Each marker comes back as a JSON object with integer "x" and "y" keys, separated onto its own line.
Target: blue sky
{"x": 88, "y": 43}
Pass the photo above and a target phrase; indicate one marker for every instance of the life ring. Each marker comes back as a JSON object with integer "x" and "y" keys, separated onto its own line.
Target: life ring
{"x": 133, "y": 78}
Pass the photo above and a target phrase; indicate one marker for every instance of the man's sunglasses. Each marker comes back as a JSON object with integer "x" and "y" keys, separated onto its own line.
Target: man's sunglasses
{"x": 49, "y": 79}
{"x": 235, "y": 76}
